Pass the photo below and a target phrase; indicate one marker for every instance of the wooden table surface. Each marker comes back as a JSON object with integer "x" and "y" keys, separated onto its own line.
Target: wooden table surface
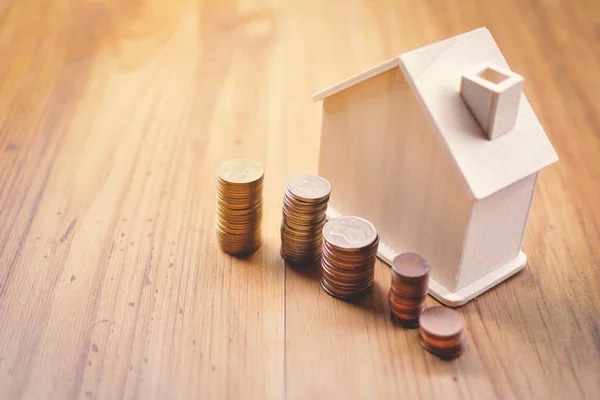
{"x": 114, "y": 116}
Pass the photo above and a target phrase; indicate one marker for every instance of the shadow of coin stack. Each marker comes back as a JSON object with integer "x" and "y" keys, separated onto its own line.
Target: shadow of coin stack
{"x": 349, "y": 254}
{"x": 304, "y": 207}
{"x": 442, "y": 332}
{"x": 410, "y": 279}
{"x": 239, "y": 206}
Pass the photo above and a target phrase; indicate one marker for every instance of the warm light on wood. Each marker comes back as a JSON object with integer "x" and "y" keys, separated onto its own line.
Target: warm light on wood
{"x": 116, "y": 114}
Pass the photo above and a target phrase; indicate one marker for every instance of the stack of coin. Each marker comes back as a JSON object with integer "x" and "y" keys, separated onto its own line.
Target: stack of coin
{"x": 410, "y": 278}
{"x": 239, "y": 206}
{"x": 349, "y": 254}
{"x": 304, "y": 207}
{"x": 442, "y": 332}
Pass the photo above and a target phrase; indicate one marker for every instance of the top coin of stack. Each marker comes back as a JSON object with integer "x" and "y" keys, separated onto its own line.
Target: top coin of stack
{"x": 304, "y": 208}
{"x": 442, "y": 332}
{"x": 410, "y": 279}
{"x": 349, "y": 254}
{"x": 239, "y": 206}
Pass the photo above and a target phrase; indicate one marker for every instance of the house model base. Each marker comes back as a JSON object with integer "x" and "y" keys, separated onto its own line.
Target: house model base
{"x": 463, "y": 295}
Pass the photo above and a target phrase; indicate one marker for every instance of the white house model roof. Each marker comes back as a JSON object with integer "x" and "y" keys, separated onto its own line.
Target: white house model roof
{"x": 434, "y": 74}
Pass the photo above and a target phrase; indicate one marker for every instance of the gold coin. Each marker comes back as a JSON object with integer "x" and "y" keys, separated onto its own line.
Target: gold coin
{"x": 240, "y": 171}
{"x": 239, "y": 186}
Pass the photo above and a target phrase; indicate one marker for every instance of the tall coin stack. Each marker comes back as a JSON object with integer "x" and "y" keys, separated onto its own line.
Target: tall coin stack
{"x": 239, "y": 206}
{"x": 349, "y": 254}
{"x": 442, "y": 332}
{"x": 410, "y": 279}
{"x": 304, "y": 207}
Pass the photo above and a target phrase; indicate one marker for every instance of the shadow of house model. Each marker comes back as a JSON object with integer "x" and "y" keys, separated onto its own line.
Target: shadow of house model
{"x": 440, "y": 149}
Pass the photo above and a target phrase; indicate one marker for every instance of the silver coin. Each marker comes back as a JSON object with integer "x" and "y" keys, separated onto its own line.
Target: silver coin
{"x": 349, "y": 232}
{"x": 309, "y": 187}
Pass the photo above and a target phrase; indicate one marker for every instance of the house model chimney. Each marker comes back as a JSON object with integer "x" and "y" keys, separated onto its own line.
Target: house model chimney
{"x": 493, "y": 95}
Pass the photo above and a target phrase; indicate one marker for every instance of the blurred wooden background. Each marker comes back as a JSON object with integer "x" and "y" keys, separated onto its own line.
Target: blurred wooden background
{"x": 113, "y": 118}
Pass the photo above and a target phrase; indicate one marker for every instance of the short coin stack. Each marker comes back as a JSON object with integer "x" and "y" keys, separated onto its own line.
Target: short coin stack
{"x": 349, "y": 254}
{"x": 442, "y": 332}
{"x": 239, "y": 206}
{"x": 410, "y": 278}
{"x": 304, "y": 208}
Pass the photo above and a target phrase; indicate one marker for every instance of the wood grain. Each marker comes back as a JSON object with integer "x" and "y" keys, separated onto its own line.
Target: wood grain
{"x": 113, "y": 118}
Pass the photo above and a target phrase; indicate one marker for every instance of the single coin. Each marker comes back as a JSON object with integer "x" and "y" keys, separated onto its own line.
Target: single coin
{"x": 441, "y": 322}
{"x": 240, "y": 170}
{"x": 349, "y": 232}
{"x": 410, "y": 265}
{"x": 309, "y": 187}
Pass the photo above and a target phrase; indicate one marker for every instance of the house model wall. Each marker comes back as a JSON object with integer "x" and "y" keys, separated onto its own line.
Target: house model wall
{"x": 450, "y": 177}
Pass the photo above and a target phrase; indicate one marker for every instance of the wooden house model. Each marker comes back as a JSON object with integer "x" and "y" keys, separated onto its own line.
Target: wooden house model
{"x": 440, "y": 149}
